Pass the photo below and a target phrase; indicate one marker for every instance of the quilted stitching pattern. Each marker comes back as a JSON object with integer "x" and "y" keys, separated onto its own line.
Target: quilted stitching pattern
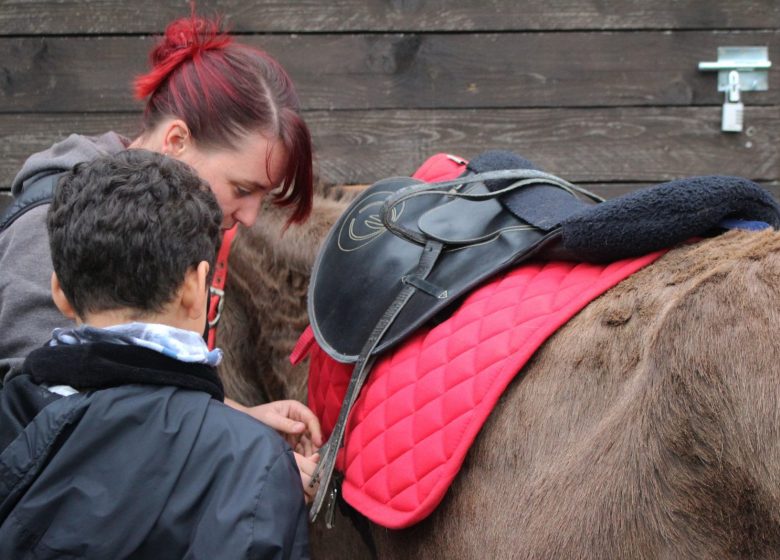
{"x": 328, "y": 380}
{"x": 425, "y": 402}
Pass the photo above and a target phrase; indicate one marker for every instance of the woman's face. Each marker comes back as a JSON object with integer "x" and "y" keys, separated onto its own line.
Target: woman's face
{"x": 240, "y": 177}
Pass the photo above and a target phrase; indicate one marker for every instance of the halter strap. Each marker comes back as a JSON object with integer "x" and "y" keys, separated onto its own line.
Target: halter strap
{"x": 217, "y": 289}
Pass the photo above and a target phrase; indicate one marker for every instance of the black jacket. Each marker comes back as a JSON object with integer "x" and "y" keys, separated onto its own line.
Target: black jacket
{"x": 145, "y": 462}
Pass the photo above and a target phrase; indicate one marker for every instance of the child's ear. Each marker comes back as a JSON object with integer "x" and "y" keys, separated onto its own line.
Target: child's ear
{"x": 59, "y": 298}
{"x": 195, "y": 290}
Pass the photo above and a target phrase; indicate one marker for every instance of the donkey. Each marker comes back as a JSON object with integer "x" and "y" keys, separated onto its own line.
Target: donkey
{"x": 646, "y": 427}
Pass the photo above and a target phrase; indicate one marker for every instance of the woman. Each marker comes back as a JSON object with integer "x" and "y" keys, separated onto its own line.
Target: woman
{"x": 227, "y": 110}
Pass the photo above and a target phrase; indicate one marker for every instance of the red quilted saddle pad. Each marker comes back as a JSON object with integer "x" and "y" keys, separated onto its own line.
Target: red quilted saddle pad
{"x": 424, "y": 402}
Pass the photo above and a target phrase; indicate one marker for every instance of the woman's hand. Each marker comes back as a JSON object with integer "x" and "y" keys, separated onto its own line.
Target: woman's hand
{"x": 292, "y": 419}
{"x": 299, "y": 426}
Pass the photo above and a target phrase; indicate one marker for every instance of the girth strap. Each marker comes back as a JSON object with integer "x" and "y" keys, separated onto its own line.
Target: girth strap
{"x": 324, "y": 471}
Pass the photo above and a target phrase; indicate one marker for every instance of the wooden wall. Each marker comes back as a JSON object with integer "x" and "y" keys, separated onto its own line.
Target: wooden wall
{"x": 602, "y": 92}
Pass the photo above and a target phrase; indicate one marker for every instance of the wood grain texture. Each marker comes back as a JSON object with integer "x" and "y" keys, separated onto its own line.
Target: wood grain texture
{"x": 409, "y": 71}
{"x": 606, "y": 190}
{"x": 584, "y": 145}
{"x": 31, "y": 17}
{"x": 612, "y": 190}
{"x": 5, "y": 200}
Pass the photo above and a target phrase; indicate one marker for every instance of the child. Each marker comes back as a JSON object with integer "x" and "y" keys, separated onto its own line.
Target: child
{"x": 114, "y": 440}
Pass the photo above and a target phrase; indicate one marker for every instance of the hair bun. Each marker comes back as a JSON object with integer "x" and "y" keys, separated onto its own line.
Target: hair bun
{"x": 184, "y": 39}
{"x": 191, "y": 35}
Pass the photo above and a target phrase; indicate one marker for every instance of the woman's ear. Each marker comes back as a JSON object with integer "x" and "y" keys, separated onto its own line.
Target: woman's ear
{"x": 60, "y": 300}
{"x": 195, "y": 290}
{"x": 176, "y": 138}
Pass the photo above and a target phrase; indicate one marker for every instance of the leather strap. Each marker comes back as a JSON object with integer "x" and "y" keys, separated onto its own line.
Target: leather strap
{"x": 522, "y": 178}
{"x": 324, "y": 471}
{"x": 302, "y": 347}
{"x": 217, "y": 289}
{"x": 38, "y": 193}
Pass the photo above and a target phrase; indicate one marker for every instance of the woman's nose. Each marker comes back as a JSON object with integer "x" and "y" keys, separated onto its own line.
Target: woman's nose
{"x": 249, "y": 210}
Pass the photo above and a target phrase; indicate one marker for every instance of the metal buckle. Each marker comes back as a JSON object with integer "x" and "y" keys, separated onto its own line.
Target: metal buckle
{"x": 220, "y": 295}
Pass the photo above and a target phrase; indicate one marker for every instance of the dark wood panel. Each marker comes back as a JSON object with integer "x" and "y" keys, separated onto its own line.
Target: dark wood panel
{"x": 145, "y": 16}
{"x": 23, "y": 135}
{"x": 606, "y": 190}
{"x": 609, "y": 190}
{"x": 405, "y": 71}
{"x": 612, "y": 190}
{"x": 584, "y": 145}
{"x": 5, "y": 200}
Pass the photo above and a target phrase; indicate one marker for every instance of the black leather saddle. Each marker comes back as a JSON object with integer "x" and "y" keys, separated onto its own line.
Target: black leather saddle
{"x": 371, "y": 253}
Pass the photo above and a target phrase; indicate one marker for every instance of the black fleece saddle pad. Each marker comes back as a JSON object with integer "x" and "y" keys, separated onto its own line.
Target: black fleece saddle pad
{"x": 663, "y": 215}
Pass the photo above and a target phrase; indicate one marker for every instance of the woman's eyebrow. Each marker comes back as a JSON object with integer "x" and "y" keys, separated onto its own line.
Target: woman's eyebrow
{"x": 251, "y": 185}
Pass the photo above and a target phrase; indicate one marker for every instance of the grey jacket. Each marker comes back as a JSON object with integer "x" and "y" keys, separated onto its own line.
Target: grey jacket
{"x": 27, "y": 313}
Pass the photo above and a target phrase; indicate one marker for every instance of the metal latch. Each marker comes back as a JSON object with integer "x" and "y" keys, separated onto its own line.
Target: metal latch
{"x": 739, "y": 69}
{"x": 733, "y": 108}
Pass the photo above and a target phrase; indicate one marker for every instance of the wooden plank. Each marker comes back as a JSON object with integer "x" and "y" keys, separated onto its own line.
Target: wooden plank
{"x": 148, "y": 16}
{"x": 608, "y": 190}
{"x": 583, "y": 145}
{"x": 612, "y": 190}
{"x": 5, "y": 200}
{"x": 605, "y": 190}
{"x": 621, "y": 144}
{"x": 405, "y": 71}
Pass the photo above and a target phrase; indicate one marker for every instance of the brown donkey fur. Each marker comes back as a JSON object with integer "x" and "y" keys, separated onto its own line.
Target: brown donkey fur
{"x": 265, "y": 303}
{"x": 647, "y": 427}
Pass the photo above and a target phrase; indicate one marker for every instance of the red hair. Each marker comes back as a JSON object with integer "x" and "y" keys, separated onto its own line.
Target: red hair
{"x": 223, "y": 90}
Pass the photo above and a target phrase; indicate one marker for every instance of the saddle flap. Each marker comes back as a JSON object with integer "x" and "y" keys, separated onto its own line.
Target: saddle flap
{"x": 357, "y": 271}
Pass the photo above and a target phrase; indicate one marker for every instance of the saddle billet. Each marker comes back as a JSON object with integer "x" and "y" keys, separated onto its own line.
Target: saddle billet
{"x": 402, "y": 253}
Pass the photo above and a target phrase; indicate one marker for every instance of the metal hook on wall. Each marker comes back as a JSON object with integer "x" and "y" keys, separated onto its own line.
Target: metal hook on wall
{"x": 739, "y": 69}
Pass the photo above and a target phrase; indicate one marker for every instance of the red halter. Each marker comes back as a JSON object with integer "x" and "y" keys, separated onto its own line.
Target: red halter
{"x": 217, "y": 290}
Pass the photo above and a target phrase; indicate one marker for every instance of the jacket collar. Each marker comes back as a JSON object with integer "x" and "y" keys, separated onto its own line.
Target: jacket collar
{"x": 103, "y": 365}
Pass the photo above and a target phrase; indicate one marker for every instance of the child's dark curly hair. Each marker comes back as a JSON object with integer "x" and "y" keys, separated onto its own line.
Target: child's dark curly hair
{"x": 124, "y": 229}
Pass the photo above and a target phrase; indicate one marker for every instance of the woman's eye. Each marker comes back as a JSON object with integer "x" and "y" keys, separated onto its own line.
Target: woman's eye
{"x": 240, "y": 191}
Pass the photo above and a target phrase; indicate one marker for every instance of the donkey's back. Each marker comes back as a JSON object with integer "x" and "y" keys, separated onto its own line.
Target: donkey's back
{"x": 646, "y": 428}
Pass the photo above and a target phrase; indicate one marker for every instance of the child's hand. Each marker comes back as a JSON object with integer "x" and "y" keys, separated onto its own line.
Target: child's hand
{"x": 307, "y": 465}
